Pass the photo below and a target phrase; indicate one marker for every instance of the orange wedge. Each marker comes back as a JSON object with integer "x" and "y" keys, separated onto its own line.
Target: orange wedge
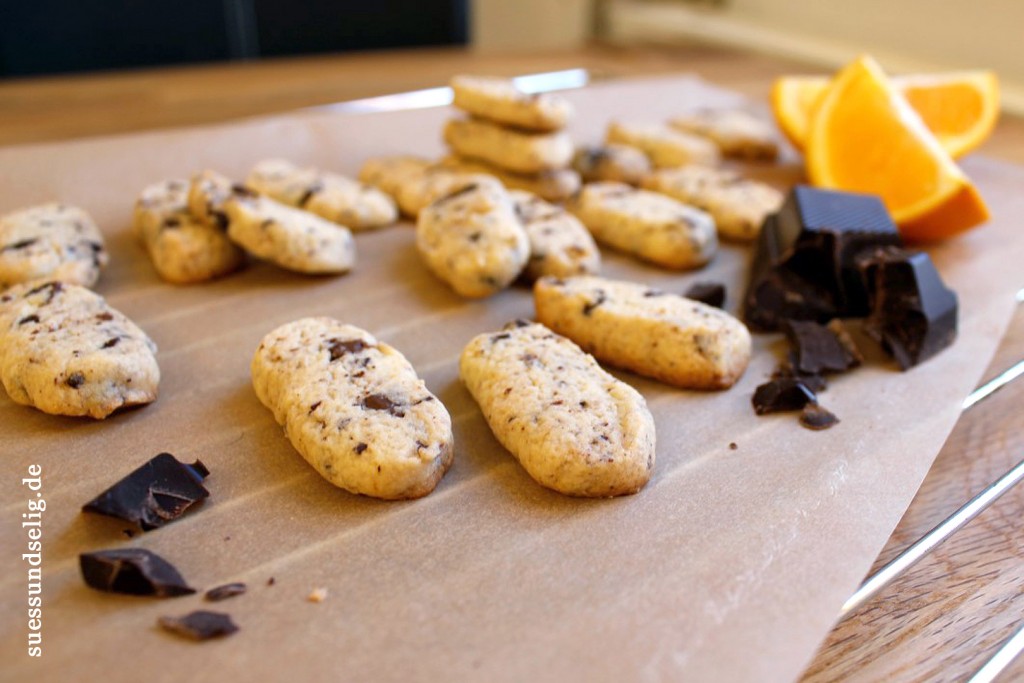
{"x": 865, "y": 137}
{"x": 959, "y": 107}
{"x": 793, "y": 99}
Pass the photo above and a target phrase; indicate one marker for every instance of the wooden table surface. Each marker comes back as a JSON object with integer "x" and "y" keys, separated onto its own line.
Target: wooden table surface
{"x": 940, "y": 622}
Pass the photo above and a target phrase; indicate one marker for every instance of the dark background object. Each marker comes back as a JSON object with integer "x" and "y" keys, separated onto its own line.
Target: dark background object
{"x": 60, "y": 36}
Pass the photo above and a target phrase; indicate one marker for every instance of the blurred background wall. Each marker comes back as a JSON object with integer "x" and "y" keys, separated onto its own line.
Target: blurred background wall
{"x": 59, "y": 36}
{"x": 905, "y": 35}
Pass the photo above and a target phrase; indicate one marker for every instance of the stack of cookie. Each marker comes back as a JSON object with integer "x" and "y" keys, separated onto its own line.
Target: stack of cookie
{"x": 517, "y": 137}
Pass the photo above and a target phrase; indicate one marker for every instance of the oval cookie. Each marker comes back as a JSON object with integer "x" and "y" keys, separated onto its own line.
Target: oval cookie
{"x": 647, "y": 225}
{"x": 329, "y": 195}
{"x": 559, "y": 244}
{"x": 64, "y": 351}
{"x": 473, "y": 240}
{"x": 354, "y": 408}
{"x": 653, "y": 333}
{"x": 572, "y": 426}
{"x": 738, "y": 205}
{"x": 50, "y": 241}
{"x": 514, "y": 150}
{"x": 498, "y": 99}
{"x": 183, "y": 250}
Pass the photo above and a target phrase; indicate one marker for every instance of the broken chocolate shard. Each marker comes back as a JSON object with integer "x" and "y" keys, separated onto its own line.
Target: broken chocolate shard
{"x": 133, "y": 571}
{"x": 228, "y": 590}
{"x": 815, "y": 383}
{"x": 154, "y": 494}
{"x": 806, "y": 262}
{"x": 200, "y": 625}
{"x": 817, "y": 418}
{"x": 819, "y": 349}
{"x": 913, "y": 313}
{"x": 780, "y": 395}
{"x": 710, "y": 293}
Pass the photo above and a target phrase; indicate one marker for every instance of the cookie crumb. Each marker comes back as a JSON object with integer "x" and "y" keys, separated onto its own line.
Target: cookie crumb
{"x": 317, "y": 595}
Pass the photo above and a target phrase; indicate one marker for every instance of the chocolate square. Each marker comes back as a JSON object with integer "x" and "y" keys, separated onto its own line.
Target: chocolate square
{"x": 806, "y": 262}
{"x": 913, "y": 313}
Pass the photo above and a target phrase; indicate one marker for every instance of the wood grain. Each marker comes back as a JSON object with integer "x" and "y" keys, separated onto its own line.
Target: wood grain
{"x": 943, "y": 620}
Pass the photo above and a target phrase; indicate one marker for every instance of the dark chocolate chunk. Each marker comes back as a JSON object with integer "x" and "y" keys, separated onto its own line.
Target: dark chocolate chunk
{"x": 382, "y": 402}
{"x": 820, "y": 348}
{"x": 220, "y": 219}
{"x": 133, "y": 571}
{"x": 110, "y": 343}
{"x": 778, "y": 395}
{"x": 310, "y": 191}
{"x": 589, "y": 307}
{"x": 28, "y": 319}
{"x": 156, "y": 493}
{"x": 172, "y": 222}
{"x": 239, "y": 190}
{"x": 228, "y": 590}
{"x": 817, "y": 418}
{"x": 75, "y": 380}
{"x": 806, "y": 262}
{"x": 51, "y": 289}
{"x": 457, "y": 193}
{"x": 710, "y": 293}
{"x": 913, "y": 313}
{"x": 339, "y": 347}
{"x": 21, "y": 244}
{"x": 199, "y": 625}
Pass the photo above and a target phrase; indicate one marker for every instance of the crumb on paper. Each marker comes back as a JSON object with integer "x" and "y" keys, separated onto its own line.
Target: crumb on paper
{"x": 317, "y": 595}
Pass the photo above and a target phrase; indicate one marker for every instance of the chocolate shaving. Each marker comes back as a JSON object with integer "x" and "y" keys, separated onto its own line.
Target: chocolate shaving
{"x": 819, "y": 349}
{"x": 817, "y": 418}
{"x": 199, "y": 625}
{"x": 780, "y": 395}
{"x": 28, "y": 319}
{"x": 154, "y": 494}
{"x": 133, "y": 571}
{"x": 228, "y": 590}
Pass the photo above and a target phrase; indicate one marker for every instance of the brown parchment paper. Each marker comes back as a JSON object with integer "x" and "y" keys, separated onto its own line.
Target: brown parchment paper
{"x": 730, "y": 566}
